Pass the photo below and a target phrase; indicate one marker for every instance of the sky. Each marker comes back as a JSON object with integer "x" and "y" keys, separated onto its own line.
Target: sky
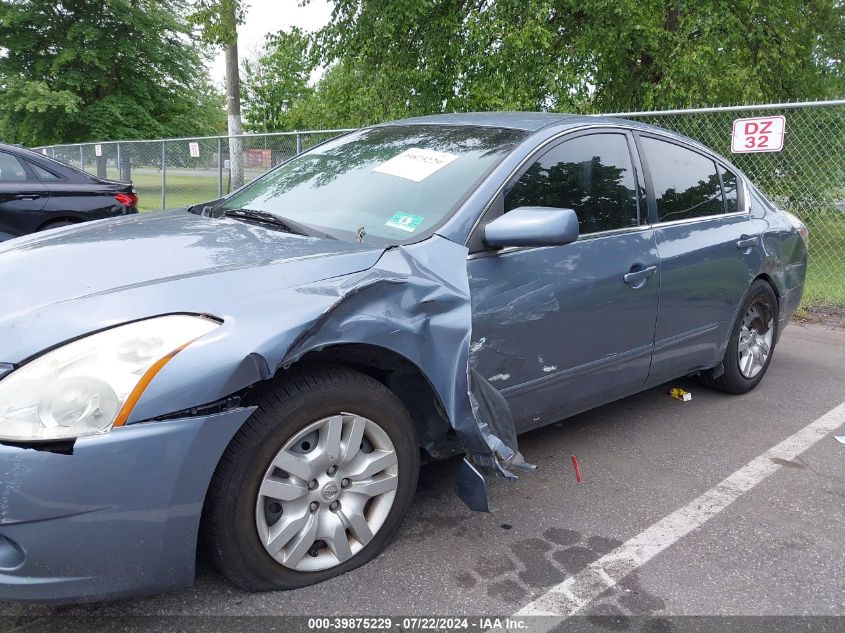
{"x": 269, "y": 16}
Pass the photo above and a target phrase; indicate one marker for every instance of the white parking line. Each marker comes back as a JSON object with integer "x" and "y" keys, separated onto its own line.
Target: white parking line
{"x": 577, "y": 591}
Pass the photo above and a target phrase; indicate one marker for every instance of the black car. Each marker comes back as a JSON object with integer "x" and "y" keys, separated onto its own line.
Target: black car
{"x": 39, "y": 193}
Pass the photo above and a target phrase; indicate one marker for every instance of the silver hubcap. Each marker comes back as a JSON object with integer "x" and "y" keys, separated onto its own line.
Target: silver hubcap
{"x": 755, "y": 340}
{"x": 327, "y": 492}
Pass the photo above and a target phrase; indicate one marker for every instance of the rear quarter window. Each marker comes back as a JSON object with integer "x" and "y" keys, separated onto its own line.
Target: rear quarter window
{"x": 43, "y": 174}
{"x": 730, "y": 186}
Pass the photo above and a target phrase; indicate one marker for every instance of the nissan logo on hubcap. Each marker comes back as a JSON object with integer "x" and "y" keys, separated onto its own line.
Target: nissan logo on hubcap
{"x": 330, "y": 491}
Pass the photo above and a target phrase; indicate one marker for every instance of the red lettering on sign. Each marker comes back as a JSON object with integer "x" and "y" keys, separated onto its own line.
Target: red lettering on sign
{"x": 758, "y": 134}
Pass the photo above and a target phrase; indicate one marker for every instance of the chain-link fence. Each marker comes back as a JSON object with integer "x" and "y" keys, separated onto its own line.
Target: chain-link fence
{"x": 807, "y": 177}
{"x": 179, "y": 172}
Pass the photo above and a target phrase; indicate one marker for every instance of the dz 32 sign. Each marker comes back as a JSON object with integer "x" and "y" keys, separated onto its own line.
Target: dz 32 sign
{"x": 760, "y": 134}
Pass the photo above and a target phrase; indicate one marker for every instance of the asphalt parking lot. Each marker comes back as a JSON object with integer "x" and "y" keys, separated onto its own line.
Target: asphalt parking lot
{"x": 776, "y": 550}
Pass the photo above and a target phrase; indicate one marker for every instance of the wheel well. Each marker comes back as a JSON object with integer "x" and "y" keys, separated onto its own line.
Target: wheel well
{"x": 68, "y": 218}
{"x": 768, "y": 279}
{"x": 406, "y": 381}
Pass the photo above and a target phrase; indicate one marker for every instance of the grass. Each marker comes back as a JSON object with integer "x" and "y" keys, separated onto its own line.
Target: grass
{"x": 183, "y": 188}
{"x": 825, "y": 279}
{"x": 826, "y": 269}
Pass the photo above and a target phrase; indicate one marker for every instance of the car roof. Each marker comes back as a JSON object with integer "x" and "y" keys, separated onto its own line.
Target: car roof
{"x": 528, "y": 121}
{"x": 66, "y": 171}
{"x": 19, "y": 150}
{"x": 532, "y": 122}
{"x": 13, "y": 149}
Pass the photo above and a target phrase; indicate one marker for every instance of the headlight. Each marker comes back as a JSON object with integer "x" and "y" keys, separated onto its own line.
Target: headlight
{"x": 92, "y": 384}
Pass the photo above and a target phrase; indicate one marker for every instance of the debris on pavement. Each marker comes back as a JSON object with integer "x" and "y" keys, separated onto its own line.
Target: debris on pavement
{"x": 679, "y": 394}
{"x": 577, "y": 469}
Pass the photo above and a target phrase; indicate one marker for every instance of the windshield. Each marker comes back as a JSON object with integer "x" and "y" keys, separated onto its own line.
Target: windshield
{"x": 389, "y": 183}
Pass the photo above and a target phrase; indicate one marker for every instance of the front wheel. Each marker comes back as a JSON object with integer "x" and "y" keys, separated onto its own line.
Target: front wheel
{"x": 752, "y": 342}
{"x": 315, "y": 484}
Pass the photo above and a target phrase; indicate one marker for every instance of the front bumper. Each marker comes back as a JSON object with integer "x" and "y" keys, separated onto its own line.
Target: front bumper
{"x": 118, "y": 517}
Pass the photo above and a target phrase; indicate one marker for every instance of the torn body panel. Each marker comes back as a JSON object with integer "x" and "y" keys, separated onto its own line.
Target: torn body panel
{"x": 297, "y": 295}
{"x": 429, "y": 283}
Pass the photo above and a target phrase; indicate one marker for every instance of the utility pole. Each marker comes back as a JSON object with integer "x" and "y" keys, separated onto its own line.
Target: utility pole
{"x": 218, "y": 21}
{"x": 233, "y": 102}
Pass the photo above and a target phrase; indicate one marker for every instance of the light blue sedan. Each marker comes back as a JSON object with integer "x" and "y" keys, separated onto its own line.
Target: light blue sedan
{"x": 262, "y": 374}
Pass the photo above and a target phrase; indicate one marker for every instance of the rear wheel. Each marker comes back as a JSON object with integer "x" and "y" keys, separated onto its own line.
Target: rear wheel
{"x": 315, "y": 484}
{"x": 752, "y": 342}
{"x": 55, "y": 224}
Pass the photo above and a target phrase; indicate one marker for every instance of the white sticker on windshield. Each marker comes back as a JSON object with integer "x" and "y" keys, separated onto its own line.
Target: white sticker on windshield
{"x": 415, "y": 164}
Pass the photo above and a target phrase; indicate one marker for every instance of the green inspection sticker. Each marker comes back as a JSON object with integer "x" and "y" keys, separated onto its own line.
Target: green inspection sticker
{"x": 405, "y": 222}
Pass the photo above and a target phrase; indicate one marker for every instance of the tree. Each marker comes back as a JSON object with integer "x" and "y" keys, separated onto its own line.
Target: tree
{"x": 275, "y": 81}
{"x": 347, "y": 95}
{"x": 89, "y": 70}
{"x": 588, "y": 55}
{"x": 218, "y": 22}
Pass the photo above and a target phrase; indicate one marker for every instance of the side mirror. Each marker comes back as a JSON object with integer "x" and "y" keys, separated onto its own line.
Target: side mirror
{"x": 533, "y": 226}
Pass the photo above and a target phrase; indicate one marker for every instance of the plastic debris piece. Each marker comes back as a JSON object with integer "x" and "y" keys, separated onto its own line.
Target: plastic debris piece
{"x": 839, "y": 438}
{"x": 680, "y": 394}
{"x": 472, "y": 488}
{"x": 577, "y": 469}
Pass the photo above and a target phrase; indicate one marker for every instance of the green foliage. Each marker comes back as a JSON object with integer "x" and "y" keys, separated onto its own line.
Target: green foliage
{"x": 348, "y": 95}
{"x": 218, "y": 20}
{"x": 84, "y": 70}
{"x": 587, "y": 55}
{"x": 275, "y": 81}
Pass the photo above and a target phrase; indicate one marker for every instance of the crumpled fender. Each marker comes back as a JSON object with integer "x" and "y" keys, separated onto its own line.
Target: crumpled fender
{"x": 433, "y": 329}
{"x": 414, "y": 300}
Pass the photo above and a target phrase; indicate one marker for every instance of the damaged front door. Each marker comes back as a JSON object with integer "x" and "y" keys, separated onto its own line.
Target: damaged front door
{"x": 560, "y": 329}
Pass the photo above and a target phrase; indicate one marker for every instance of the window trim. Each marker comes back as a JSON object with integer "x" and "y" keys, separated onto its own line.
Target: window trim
{"x": 475, "y": 238}
{"x": 742, "y": 188}
{"x": 475, "y": 234}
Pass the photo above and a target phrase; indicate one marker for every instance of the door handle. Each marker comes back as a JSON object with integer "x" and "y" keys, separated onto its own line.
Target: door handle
{"x": 639, "y": 275}
{"x": 746, "y": 242}
{"x": 27, "y": 196}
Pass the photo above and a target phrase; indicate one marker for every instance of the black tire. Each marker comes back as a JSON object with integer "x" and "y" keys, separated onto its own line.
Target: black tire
{"x": 732, "y": 380}
{"x": 285, "y": 406}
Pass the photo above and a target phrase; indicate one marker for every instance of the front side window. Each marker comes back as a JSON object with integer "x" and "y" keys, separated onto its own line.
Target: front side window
{"x": 11, "y": 169}
{"x": 390, "y": 183}
{"x": 591, "y": 174}
{"x": 686, "y": 183}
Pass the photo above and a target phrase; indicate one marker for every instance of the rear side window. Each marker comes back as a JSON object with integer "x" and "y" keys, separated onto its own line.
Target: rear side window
{"x": 591, "y": 174}
{"x": 686, "y": 183}
{"x": 11, "y": 169}
{"x": 42, "y": 173}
